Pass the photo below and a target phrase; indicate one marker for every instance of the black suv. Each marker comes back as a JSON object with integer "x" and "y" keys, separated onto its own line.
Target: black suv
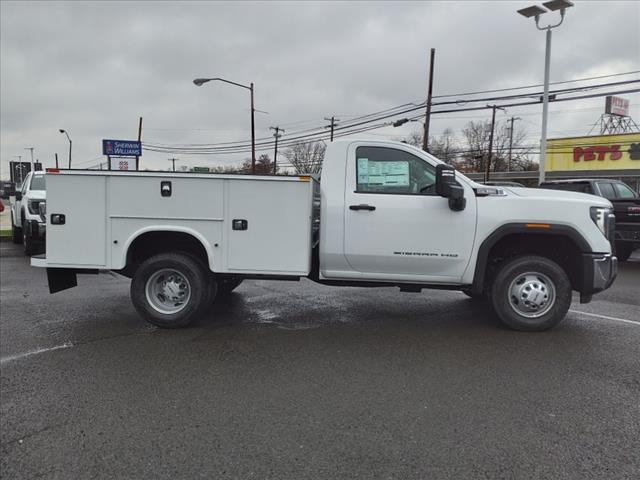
{"x": 626, "y": 206}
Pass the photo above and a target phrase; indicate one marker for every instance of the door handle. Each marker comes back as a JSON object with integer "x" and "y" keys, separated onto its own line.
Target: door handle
{"x": 370, "y": 208}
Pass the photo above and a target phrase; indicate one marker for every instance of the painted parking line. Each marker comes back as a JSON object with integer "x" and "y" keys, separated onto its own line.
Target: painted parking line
{"x": 11, "y": 358}
{"x": 615, "y": 319}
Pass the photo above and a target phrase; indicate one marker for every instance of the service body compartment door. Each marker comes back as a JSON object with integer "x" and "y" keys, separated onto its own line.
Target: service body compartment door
{"x": 81, "y": 239}
{"x": 268, "y": 226}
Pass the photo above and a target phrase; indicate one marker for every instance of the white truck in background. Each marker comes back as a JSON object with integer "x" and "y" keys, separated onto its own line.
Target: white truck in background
{"x": 28, "y": 224}
{"x": 383, "y": 214}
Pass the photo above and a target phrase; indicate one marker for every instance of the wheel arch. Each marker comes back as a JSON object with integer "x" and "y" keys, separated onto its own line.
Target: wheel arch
{"x": 557, "y": 242}
{"x": 149, "y": 241}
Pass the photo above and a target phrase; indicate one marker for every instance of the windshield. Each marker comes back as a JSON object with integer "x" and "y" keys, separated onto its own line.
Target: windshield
{"x": 38, "y": 182}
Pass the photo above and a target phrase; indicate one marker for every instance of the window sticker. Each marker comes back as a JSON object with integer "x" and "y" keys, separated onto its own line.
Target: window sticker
{"x": 363, "y": 170}
{"x": 391, "y": 174}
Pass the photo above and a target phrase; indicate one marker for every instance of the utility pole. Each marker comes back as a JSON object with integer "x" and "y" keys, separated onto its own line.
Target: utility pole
{"x": 56, "y": 161}
{"x": 139, "y": 139}
{"x": 31, "y": 149}
{"x": 493, "y": 124}
{"x": 334, "y": 122}
{"x": 512, "y": 119}
{"x": 277, "y": 135}
{"x": 427, "y": 119}
{"x": 173, "y": 160}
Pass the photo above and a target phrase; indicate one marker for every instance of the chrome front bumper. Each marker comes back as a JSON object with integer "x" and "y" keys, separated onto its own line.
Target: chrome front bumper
{"x": 599, "y": 272}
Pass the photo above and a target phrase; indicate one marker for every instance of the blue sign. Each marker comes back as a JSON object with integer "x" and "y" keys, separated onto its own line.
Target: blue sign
{"x": 121, "y": 148}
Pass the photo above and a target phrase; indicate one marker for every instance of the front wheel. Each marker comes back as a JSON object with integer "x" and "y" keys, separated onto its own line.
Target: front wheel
{"x": 170, "y": 290}
{"x": 531, "y": 293}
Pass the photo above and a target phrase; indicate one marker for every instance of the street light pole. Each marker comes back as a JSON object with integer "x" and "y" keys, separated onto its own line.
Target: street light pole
{"x": 31, "y": 149}
{"x": 545, "y": 109}
{"x": 62, "y": 130}
{"x": 200, "y": 81}
{"x": 535, "y": 11}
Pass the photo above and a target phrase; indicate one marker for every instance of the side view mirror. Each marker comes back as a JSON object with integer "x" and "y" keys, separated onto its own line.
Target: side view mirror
{"x": 18, "y": 196}
{"x": 446, "y": 186}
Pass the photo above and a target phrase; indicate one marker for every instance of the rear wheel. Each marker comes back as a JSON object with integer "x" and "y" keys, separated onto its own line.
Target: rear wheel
{"x": 531, "y": 293}
{"x": 623, "y": 250}
{"x": 170, "y": 290}
{"x": 16, "y": 232}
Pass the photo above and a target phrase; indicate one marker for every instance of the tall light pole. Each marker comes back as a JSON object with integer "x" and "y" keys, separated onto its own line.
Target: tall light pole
{"x": 31, "y": 149}
{"x": 200, "y": 81}
{"x": 62, "y": 130}
{"x": 535, "y": 11}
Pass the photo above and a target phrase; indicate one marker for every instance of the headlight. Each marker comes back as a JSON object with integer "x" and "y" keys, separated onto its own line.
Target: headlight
{"x": 33, "y": 207}
{"x": 604, "y": 219}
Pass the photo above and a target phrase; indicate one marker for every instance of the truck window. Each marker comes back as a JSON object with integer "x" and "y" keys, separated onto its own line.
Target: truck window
{"x": 38, "y": 182}
{"x": 623, "y": 191}
{"x": 606, "y": 189}
{"x": 387, "y": 170}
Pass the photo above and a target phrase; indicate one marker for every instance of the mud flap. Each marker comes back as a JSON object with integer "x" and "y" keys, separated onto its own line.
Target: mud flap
{"x": 61, "y": 279}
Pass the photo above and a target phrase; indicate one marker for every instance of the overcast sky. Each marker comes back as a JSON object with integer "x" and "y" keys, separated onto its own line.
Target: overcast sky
{"x": 93, "y": 68}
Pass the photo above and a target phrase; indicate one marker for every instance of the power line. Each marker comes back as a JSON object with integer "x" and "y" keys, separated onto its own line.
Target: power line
{"x": 241, "y": 148}
{"x": 538, "y": 85}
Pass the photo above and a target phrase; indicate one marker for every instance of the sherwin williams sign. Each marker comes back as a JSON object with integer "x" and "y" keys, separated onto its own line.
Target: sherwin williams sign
{"x": 121, "y": 148}
{"x": 598, "y": 152}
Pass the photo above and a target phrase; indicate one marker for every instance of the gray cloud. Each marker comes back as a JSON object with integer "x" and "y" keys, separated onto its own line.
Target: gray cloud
{"x": 94, "y": 68}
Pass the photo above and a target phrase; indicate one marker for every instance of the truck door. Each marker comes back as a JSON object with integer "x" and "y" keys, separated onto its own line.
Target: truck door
{"x": 396, "y": 227}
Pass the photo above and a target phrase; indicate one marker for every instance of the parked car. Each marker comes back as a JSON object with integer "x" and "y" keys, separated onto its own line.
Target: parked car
{"x": 390, "y": 215}
{"x": 626, "y": 206}
{"x": 28, "y": 223}
{"x": 6, "y": 189}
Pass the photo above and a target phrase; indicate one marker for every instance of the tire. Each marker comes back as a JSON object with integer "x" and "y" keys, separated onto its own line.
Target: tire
{"x": 179, "y": 275}
{"x": 530, "y": 293}
{"x": 27, "y": 241}
{"x": 623, "y": 250}
{"x": 228, "y": 285}
{"x": 16, "y": 232}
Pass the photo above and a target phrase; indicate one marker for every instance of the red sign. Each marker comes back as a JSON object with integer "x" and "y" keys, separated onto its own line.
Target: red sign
{"x": 588, "y": 154}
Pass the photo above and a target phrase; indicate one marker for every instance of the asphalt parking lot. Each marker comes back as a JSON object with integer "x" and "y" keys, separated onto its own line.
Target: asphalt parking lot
{"x": 290, "y": 380}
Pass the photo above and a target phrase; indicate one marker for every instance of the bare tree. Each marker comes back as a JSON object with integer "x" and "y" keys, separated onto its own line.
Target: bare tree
{"x": 264, "y": 165}
{"x": 306, "y": 157}
{"x": 443, "y": 147}
{"x": 475, "y": 148}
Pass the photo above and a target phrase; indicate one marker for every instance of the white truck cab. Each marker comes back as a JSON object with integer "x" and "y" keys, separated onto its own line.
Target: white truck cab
{"x": 27, "y": 221}
{"x": 383, "y": 214}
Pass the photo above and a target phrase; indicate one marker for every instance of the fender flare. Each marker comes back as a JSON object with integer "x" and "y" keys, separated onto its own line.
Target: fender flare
{"x": 514, "y": 228}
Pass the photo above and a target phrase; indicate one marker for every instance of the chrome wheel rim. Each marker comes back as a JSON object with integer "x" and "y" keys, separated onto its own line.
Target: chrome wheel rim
{"x": 168, "y": 291}
{"x": 532, "y": 294}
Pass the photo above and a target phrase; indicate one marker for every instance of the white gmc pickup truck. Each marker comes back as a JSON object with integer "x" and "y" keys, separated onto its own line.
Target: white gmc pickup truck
{"x": 384, "y": 214}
